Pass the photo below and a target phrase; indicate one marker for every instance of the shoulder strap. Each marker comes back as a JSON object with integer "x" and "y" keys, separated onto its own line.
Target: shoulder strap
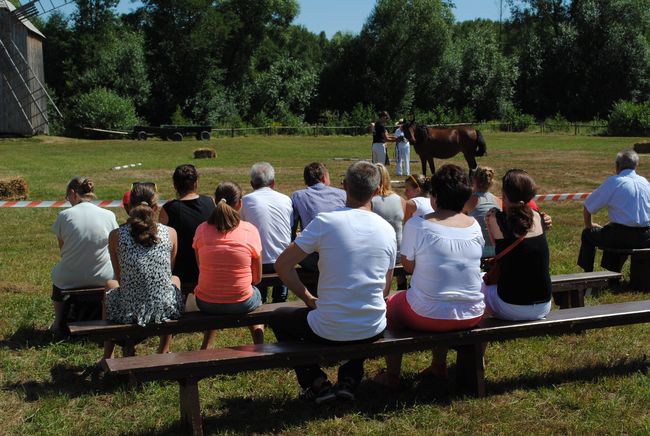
{"x": 510, "y": 247}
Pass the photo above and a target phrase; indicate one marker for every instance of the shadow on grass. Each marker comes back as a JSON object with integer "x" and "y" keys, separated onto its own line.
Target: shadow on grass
{"x": 273, "y": 415}
{"x": 73, "y": 381}
{"x": 28, "y": 337}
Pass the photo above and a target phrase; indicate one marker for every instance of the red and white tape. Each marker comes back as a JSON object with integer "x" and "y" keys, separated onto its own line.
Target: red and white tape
{"x": 118, "y": 203}
{"x": 48, "y": 203}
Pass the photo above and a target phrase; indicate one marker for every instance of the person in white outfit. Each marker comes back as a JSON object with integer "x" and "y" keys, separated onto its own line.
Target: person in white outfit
{"x": 403, "y": 151}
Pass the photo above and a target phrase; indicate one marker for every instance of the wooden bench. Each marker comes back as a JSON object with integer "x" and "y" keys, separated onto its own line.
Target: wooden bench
{"x": 568, "y": 290}
{"x": 188, "y": 368}
{"x": 639, "y": 266}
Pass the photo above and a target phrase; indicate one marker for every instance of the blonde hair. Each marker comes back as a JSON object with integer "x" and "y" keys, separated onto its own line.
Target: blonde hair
{"x": 483, "y": 177}
{"x": 384, "y": 184}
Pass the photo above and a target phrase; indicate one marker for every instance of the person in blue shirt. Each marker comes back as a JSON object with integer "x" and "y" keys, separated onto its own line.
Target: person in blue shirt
{"x": 626, "y": 196}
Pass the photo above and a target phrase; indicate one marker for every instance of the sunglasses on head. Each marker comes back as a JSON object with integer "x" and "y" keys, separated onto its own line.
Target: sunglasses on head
{"x": 151, "y": 185}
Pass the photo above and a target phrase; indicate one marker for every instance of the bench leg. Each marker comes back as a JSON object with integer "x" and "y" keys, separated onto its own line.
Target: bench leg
{"x": 190, "y": 406}
{"x": 470, "y": 373}
{"x": 639, "y": 275}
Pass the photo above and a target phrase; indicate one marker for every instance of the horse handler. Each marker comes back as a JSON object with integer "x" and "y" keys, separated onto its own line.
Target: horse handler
{"x": 379, "y": 139}
{"x": 402, "y": 150}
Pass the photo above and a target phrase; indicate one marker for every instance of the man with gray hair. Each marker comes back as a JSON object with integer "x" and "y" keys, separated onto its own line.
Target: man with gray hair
{"x": 271, "y": 212}
{"x": 357, "y": 256}
{"x": 627, "y": 198}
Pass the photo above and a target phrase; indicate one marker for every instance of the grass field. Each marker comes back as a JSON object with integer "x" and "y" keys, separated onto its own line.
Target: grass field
{"x": 596, "y": 382}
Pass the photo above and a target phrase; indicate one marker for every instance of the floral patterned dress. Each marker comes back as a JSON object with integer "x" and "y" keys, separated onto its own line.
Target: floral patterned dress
{"x": 146, "y": 293}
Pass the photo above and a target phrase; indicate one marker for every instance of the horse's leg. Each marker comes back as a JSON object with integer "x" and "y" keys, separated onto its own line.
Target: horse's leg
{"x": 423, "y": 160}
{"x": 471, "y": 163}
{"x": 432, "y": 166}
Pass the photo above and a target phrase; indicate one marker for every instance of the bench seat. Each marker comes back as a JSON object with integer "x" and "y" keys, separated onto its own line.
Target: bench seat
{"x": 187, "y": 368}
{"x": 639, "y": 266}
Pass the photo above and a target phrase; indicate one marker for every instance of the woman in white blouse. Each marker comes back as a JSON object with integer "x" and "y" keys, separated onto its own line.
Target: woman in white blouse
{"x": 443, "y": 251}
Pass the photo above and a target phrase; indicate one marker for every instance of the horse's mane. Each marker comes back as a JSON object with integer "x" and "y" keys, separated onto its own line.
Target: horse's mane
{"x": 421, "y": 132}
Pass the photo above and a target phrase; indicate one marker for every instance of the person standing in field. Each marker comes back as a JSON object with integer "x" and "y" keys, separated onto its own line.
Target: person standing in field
{"x": 380, "y": 138}
{"x": 402, "y": 150}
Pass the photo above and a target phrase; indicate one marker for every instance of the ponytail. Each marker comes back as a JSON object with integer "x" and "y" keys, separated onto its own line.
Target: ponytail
{"x": 83, "y": 187}
{"x": 142, "y": 216}
{"x": 224, "y": 216}
{"x": 519, "y": 188}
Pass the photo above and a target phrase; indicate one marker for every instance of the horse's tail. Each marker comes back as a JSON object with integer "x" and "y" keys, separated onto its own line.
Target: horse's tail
{"x": 481, "y": 147}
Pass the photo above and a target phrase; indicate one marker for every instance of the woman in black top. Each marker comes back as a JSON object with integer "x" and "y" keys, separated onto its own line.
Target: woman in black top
{"x": 523, "y": 291}
{"x": 185, "y": 214}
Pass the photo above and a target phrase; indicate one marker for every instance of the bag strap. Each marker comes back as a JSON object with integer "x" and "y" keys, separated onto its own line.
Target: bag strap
{"x": 509, "y": 248}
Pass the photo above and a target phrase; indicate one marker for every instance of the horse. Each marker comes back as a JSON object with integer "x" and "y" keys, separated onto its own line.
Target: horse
{"x": 430, "y": 142}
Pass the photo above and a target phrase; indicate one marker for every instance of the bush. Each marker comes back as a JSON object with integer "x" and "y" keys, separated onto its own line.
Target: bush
{"x": 101, "y": 109}
{"x": 557, "y": 123}
{"x": 513, "y": 119}
{"x": 629, "y": 119}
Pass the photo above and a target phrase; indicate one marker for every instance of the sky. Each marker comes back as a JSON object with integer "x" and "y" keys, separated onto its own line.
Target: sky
{"x": 332, "y": 16}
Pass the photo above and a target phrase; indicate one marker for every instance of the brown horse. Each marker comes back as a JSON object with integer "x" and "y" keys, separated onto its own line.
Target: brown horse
{"x": 431, "y": 142}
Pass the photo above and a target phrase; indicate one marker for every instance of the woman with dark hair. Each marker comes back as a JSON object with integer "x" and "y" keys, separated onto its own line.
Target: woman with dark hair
{"x": 523, "y": 291}
{"x": 82, "y": 232}
{"x": 143, "y": 253}
{"x": 229, "y": 256}
{"x": 443, "y": 251}
{"x": 184, "y": 214}
{"x": 417, "y": 188}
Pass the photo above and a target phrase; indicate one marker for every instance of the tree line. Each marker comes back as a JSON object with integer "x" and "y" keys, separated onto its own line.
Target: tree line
{"x": 238, "y": 63}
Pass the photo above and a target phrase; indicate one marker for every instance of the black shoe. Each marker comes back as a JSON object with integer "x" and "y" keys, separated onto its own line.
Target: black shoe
{"x": 345, "y": 390}
{"x": 324, "y": 394}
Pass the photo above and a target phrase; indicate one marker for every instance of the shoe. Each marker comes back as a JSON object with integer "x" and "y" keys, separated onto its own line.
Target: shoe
{"x": 387, "y": 380}
{"x": 324, "y": 394}
{"x": 345, "y": 390}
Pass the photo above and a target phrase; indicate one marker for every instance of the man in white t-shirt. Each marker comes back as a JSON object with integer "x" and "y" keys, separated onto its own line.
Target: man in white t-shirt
{"x": 627, "y": 199}
{"x": 357, "y": 256}
{"x": 271, "y": 212}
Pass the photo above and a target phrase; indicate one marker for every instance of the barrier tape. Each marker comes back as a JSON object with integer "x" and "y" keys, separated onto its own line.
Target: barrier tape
{"x": 118, "y": 203}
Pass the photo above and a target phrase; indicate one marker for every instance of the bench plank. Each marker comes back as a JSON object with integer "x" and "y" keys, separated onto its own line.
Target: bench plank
{"x": 187, "y": 368}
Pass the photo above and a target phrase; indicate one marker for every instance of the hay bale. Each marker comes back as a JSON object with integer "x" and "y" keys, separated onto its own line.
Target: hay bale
{"x": 13, "y": 189}
{"x": 642, "y": 147}
{"x": 205, "y": 153}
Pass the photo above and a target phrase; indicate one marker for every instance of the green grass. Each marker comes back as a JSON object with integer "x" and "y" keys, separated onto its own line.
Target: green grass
{"x": 590, "y": 383}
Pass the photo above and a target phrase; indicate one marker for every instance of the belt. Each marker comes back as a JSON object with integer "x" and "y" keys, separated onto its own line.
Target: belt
{"x": 639, "y": 229}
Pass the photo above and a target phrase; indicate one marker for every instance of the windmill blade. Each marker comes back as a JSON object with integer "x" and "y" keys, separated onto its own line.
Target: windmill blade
{"x": 38, "y": 7}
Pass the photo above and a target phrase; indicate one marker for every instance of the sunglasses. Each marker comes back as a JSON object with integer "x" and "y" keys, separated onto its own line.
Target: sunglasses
{"x": 151, "y": 185}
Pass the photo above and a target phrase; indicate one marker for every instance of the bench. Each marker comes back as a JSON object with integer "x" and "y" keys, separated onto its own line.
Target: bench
{"x": 568, "y": 291}
{"x": 639, "y": 266}
{"x": 187, "y": 368}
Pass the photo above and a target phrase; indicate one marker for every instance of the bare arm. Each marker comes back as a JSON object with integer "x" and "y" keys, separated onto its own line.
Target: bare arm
{"x": 163, "y": 218}
{"x": 112, "y": 251}
{"x": 409, "y": 210}
{"x": 256, "y": 269}
{"x": 285, "y": 267}
{"x": 409, "y": 265}
{"x": 493, "y": 228}
{"x": 588, "y": 219}
{"x": 174, "y": 240}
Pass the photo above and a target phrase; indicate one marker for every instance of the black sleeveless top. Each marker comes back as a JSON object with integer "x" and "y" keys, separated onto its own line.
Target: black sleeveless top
{"x": 185, "y": 216}
{"x": 378, "y": 133}
{"x": 525, "y": 278}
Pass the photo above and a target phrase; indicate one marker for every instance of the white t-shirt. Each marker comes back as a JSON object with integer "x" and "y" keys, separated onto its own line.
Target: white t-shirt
{"x": 85, "y": 261}
{"x": 423, "y": 205}
{"x": 356, "y": 248}
{"x": 271, "y": 212}
{"x": 627, "y": 198}
{"x": 446, "y": 282}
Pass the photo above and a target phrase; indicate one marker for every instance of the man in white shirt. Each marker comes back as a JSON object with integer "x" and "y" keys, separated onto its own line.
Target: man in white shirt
{"x": 357, "y": 256}
{"x": 271, "y": 212}
{"x": 627, "y": 198}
